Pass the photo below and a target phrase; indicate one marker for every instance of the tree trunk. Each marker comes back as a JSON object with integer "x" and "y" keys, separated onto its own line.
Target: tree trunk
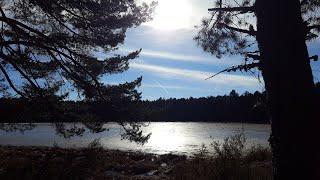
{"x": 289, "y": 83}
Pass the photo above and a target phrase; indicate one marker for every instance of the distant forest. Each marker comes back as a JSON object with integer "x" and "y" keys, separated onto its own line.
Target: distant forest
{"x": 246, "y": 108}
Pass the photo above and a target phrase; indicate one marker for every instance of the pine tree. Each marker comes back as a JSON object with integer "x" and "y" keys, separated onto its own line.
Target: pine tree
{"x": 48, "y": 48}
{"x": 51, "y": 46}
{"x": 271, "y": 35}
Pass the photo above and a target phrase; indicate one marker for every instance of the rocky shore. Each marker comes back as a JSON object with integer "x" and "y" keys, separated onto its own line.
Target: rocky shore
{"x": 87, "y": 163}
{"x": 95, "y": 163}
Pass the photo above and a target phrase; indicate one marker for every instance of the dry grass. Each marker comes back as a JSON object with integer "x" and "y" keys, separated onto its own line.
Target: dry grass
{"x": 230, "y": 161}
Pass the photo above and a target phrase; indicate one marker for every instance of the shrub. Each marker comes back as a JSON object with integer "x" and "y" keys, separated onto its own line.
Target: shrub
{"x": 95, "y": 144}
{"x": 230, "y": 161}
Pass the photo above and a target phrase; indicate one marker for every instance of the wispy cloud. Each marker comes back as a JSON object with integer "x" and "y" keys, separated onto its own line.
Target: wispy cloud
{"x": 169, "y": 87}
{"x": 173, "y": 56}
{"x": 181, "y": 57}
{"x": 176, "y": 73}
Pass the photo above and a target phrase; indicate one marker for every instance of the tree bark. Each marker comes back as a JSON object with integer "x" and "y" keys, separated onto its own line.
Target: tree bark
{"x": 290, "y": 89}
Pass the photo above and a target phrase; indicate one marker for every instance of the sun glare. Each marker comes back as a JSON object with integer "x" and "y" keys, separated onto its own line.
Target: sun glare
{"x": 172, "y": 15}
{"x": 166, "y": 137}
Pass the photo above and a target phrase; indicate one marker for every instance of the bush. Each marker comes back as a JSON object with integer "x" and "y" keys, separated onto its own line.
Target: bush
{"x": 230, "y": 161}
{"x": 95, "y": 144}
{"x": 231, "y": 149}
{"x": 258, "y": 153}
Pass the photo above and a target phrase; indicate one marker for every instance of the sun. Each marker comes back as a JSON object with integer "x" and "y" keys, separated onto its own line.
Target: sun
{"x": 172, "y": 15}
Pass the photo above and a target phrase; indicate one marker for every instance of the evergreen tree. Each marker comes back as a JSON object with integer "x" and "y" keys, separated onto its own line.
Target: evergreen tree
{"x": 49, "y": 48}
{"x": 271, "y": 35}
{"x": 51, "y": 45}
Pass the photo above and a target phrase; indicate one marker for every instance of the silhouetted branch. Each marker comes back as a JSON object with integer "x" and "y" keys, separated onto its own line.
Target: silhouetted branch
{"x": 61, "y": 23}
{"x": 252, "y": 52}
{"x": 250, "y": 32}
{"x": 10, "y": 82}
{"x": 303, "y": 2}
{"x": 134, "y": 133}
{"x": 315, "y": 58}
{"x": 8, "y": 59}
{"x": 36, "y": 44}
{"x": 253, "y": 56}
{"x": 232, "y": 9}
{"x": 69, "y": 11}
{"x": 317, "y": 27}
{"x": 241, "y": 67}
{"x": 13, "y": 127}
{"x": 16, "y": 23}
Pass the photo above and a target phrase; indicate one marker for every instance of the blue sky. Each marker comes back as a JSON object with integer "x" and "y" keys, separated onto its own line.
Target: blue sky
{"x": 171, "y": 63}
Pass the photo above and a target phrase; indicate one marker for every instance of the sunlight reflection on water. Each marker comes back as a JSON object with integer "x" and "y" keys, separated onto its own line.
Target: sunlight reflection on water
{"x": 176, "y": 137}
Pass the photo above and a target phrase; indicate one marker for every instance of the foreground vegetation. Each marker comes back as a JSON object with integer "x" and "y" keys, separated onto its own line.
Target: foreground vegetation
{"x": 230, "y": 161}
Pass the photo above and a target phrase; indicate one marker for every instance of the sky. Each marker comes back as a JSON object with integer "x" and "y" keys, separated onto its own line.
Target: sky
{"x": 171, "y": 63}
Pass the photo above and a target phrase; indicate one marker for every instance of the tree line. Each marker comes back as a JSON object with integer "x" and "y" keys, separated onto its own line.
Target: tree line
{"x": 246, "y": 108}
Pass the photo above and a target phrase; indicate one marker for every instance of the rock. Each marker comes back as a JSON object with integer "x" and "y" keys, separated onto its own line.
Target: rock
{"x": 168, "y": 171}
{"x": 140, "y": 170}
{"x": 171, "y": 158}
{"x": 151, "y": 173}
{"x": 79, "y": 158}
{"x": 137, "y": 157}
{"x": 163, "y": 164}
{"x": 113, "y": 174}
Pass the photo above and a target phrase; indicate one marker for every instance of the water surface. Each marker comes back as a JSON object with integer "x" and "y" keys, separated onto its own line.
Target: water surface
{"x": 174, "y": 137}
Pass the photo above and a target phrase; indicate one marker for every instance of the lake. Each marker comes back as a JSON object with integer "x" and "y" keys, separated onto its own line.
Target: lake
{"x": 167, "y": 137}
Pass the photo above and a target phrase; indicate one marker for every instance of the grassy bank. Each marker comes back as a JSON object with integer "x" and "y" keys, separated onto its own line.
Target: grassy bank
{"x": 229, "y": 162}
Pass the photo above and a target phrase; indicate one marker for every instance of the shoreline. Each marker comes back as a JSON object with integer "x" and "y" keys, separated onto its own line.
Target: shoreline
{"x": 85, "y": 162}
{"x": 94, "y": 162}
{"x": 217, "y": 122}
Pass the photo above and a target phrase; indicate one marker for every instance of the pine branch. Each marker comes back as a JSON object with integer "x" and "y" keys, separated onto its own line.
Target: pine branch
{"x": 16, "y": 24}
{"x": 314, "y": 58}
{"x": 241, "y": 67}
{"x": 303, "y": 2}
{"x": 253, "y": 56}
{"x": 316, "y": 26}
{"x": 249, "y": 32}
{"x": 10, "y": 81}
{"x": 9, "y": 60}
{"x": 233, "y": 9}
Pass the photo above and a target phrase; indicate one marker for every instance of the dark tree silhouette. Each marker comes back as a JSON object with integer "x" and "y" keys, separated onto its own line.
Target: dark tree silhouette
{"x": 271, "y": 35}
{"x": 247, "y": 108}
{"x": 49, "y": 48}
{"x": 52, "y": 44}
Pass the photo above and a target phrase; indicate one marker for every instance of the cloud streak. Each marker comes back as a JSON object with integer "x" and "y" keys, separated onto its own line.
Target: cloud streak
{"x": 181, "y": 57}
{"x": 193, "y": 75}
{"x": 168, "y": 87}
